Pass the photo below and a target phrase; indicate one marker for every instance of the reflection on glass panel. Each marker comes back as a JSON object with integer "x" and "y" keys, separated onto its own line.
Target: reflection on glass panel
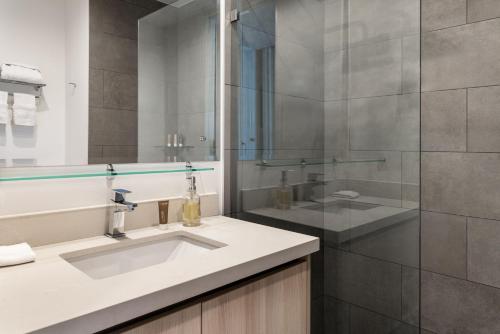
{"x": 177, "y": 82}
{"x": 329, "y": 109}
{"x": 108, "y": 82}
{"x": 257, "y": 106}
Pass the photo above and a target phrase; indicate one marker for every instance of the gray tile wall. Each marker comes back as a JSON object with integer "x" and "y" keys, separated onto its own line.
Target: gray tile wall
{"x": 460, "y": 166}
{"x": 113, "y": 78}
{"x": 372, "y": 72}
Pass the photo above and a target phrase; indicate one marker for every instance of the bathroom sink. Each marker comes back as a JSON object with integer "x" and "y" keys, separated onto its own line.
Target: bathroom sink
{"x": 133, "y": 254}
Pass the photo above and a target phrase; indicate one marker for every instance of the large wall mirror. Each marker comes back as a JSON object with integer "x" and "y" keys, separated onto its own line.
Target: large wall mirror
{"x": 87, "y": 82}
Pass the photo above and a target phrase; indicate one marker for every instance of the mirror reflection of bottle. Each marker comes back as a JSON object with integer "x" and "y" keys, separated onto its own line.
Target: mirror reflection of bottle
{"x": 181, "y": 141}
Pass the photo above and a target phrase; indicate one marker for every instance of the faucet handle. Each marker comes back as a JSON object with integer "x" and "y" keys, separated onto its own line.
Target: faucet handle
{"x": 120, "y": 195}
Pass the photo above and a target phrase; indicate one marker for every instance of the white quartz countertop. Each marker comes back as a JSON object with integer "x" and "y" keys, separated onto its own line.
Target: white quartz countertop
{"x": 52, "y": 296}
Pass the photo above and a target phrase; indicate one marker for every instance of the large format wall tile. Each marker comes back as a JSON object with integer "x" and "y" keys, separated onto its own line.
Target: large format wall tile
{"x": 363, "y": 321}
{"x": 484, "y": 119}
{"x": 335, "y": 67}
{"x": 411, "y": 167}
{"x": 464, "y": 56}
{"x": 444, "y": 120}
{"x": 380, "y": 20}
{"x": 443, "y": 182}
{"x": 118, "y": 17}
{"x": 113, "y": 53}
{"x": 397, "y": 244}
{"x": 375, "y": 69}
{"x": 482, "y": 181}
{"x": 96, "y": 88}
{"x": 462, "y": 183}
{"x": 299, "y": 70}
{"x": 112, "y": 127}
{"x": 300, "y": 22}
{"x": 478, "y": 10}
{"x": 444, "y": 243}
{"x": 363, "y": 281}
{"x": 335, "y": 26}
{"x": 260, "y": 15}
{"x": 411, "y": 64}
{"x": 439, "y": 14}
{"x": 336, "y": 126}
{"x": 483, "y": 251}
{"x": 120, "y": 90}
{"x": 411, "y": 295}
{"x": 385, "y": 123}
{"x": 119, "y": 153}
{"x": 451, "y": 306}
{"x": 337, "y": 316}
{"x": 302, "y": 123}
{"x": 410, "y": 174}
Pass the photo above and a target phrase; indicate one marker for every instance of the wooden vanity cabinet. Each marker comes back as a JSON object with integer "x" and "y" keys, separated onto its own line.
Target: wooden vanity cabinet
{"x": 182, "y": 320}
{"x": 276, "y": 302}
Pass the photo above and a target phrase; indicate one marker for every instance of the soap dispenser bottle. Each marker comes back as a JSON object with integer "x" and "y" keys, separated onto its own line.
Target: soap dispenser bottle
{"x": 283, "y": 195}
{"x": 191, "y": 208}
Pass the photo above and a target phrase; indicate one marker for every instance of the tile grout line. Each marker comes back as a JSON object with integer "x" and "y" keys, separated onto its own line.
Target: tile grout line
{"x": 461, "y": 279}
{"x": 460, "y": 25}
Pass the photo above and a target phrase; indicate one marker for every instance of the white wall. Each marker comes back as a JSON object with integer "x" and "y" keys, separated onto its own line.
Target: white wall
{"x": 30, "y": 197}
{"x": 33, "y": 32}
{"x": 77, "y": 71}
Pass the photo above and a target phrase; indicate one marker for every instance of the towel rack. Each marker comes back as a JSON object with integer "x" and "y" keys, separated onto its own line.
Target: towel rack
{"x": 12, "y": 86}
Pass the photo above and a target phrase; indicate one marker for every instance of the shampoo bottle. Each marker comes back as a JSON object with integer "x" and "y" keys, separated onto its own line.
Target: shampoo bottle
{"x": 191, "y": 209}
{"x": 283, "y": 195}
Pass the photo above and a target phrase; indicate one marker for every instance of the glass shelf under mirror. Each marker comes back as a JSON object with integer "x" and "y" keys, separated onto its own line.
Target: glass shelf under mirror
{"x": 55, "y": 173}
{"x": 313, "y": 162}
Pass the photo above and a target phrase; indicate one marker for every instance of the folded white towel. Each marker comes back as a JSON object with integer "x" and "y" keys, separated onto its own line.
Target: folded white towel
{"x": 19, "y": 72}
{"x": 346, "y": 194}
{"x": 4, "y": 108}
{"x": 24, "y": 109}
{"x": 16, "y": 254}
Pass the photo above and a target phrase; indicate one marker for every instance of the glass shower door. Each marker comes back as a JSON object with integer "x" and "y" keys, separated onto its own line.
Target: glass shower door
{"x": 326, "y": 95}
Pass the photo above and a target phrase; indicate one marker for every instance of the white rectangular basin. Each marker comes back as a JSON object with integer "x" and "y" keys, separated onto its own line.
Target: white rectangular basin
{"x": 133, "y": 254}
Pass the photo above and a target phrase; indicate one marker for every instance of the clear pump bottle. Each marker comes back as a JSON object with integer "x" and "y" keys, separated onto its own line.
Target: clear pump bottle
{"x": 283, "y": 195}
{"x": 191, "y": 209}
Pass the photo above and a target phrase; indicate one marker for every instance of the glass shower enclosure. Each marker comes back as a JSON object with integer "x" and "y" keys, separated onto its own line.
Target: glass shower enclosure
{"x": 325, "y": 101}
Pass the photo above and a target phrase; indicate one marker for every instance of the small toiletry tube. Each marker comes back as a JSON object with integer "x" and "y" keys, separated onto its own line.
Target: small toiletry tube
{"x": 163, "y": 214}
{"x": 176, "y": 140}
{"x": 181, "y": 141}
{"x": 169, "y": 140}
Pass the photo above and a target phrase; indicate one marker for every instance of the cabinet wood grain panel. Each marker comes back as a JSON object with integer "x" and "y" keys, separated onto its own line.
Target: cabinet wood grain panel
{"x": 183, "y": 321}
{"x": 275, "y": 304}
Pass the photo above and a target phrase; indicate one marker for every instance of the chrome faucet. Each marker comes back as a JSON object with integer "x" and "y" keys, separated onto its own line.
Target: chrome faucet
{"x": 116, "y": 224}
